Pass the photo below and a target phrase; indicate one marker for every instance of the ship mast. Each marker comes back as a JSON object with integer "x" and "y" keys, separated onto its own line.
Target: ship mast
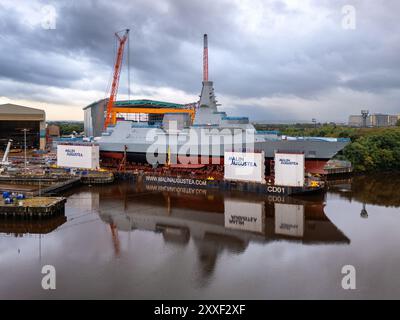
{"x": 205, "y": 59}
{"x": 207, "y": 97}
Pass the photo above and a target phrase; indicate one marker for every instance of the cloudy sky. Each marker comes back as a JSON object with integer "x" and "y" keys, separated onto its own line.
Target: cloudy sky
{"x": 272, "y": 60}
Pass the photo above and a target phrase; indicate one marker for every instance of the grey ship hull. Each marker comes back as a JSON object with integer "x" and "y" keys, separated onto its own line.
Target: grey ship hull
{"x": 139, "y": 140}
{"x": 312, "y": 149}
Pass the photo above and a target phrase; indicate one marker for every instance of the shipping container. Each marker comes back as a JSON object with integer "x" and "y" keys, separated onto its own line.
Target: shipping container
{"x": 289, "y": 169}
{"x": 244, "y": 166}
{"x": 78, "y": 156}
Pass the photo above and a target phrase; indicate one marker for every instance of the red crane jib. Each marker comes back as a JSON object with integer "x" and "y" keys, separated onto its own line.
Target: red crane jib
{"x": 117, "y": 72}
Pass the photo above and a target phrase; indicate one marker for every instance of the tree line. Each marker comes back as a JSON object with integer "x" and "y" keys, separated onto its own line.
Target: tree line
{"x": 370, "y": 149}
{"x": 68, "y": 127}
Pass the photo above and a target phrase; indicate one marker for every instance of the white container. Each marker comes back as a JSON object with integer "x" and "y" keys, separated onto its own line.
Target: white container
{"x": 78, "y": 156}
{"x": 289, "y": 219}
{"x": 242, "y": 166}
{"x": 289, "y": 169}
{"x": 246, "y": 216}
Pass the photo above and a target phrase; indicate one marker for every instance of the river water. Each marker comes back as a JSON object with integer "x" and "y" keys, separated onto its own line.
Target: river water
{"x": 130, "y": 240}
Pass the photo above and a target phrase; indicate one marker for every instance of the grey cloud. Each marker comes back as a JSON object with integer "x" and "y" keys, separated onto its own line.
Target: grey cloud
{"x": 166, "y": 40}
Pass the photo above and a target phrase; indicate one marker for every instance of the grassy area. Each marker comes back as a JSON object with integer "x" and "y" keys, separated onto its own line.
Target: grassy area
{"x": 371, "y": 149}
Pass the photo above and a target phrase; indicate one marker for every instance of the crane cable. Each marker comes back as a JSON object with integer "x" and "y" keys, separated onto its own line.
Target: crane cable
{"x": 110, "y": 78}
{"x": 129, "y": 70}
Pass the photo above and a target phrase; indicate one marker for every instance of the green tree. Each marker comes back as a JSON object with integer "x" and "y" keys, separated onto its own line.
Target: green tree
{"x": 371, "y": 149}
{"x": 67, "y": 127}
{"x": 376, "y": 151}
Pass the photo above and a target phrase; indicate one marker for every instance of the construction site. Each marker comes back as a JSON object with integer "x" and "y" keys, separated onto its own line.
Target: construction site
{"x": 202, "y": 155}
{"x": 115, "y": 144}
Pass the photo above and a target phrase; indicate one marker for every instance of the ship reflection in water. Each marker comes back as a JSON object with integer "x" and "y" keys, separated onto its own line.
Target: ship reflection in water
{"x": 217, "y": 222}
{"x": 19, "y": 227}
{"x": 135, "y": 241}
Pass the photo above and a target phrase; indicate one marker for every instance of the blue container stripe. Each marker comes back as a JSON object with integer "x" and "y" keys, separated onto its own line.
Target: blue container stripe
{"x": 235, "y": 118}
{"x": 268, "y": 132}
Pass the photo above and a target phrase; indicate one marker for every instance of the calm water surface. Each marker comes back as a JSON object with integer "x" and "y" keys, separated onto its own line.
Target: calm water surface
{"x": 134, "y": 241}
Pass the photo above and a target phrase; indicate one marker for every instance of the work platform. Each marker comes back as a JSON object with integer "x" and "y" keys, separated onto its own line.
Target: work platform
{"x": 33, "y": 207}
{"x": 37, "y": 186}
{"x": 51, "y": 184}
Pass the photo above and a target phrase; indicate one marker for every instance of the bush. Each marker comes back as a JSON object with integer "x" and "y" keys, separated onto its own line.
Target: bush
{"x": 379, "y": 151}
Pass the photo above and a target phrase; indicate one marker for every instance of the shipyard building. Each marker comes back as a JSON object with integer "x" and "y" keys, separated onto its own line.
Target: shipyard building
{"x": 16, "y": 121}
{"x": 143, "y": 110}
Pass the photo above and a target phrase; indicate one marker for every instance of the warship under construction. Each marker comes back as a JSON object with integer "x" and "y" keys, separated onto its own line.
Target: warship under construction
{"x": 131, "y": 138}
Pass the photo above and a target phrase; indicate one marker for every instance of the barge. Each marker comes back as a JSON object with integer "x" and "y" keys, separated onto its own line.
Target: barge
{"x": 229, "y": 185}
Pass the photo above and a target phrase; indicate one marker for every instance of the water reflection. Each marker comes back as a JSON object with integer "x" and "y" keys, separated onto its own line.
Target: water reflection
{"x": 377, "y": 189}
{"x": 216, "y": 222}
{"x": 127, "y": 240}
{"x": 20, "y": 227}
{"x": 364, "y": 213}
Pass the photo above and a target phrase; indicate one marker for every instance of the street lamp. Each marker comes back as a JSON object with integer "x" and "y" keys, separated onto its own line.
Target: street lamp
{"x": 364, "y": 213}
{"x": 315, "y": 122}
{"x": 25, "y": 131}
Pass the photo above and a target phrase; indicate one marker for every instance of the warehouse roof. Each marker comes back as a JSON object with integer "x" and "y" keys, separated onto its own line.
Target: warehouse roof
{"x": 141, "y": 103}
{"x": 94, "y": 103}
{"x": 9, "y": 108}
{"x": 146, "y": 102}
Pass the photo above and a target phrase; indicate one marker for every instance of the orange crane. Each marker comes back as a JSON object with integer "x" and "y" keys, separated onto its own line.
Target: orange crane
{"x": 117, "y": 72}
{"x": 115, "y": 238}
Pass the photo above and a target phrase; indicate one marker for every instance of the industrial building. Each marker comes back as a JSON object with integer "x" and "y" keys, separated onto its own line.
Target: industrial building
{"x": 94, "y": 118}
{"x": 53, "y": 131}
{"x": 149, "y": 111}
{"x": 383, "y": 120}
{"x": 17, "y": 121}
{"x": 374, "y": 120}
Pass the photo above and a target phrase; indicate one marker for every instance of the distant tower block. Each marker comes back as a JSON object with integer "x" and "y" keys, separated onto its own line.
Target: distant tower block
{"x": 364, "y": 115}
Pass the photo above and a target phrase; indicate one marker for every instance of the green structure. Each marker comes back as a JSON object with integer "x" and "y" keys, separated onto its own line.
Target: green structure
{"x": 94, "y": 112}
